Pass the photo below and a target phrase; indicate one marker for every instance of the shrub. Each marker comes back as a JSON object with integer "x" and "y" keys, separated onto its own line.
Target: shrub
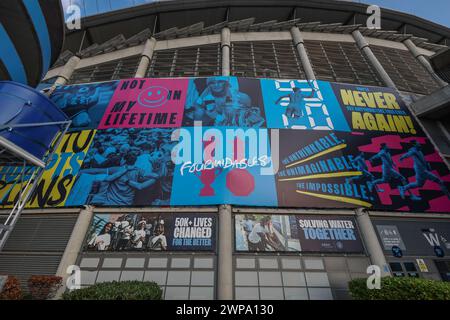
{"x": 11, "y": 289}
{"x": 125, "y": 290}
{"x": 396, "y": 288}
{"x": 43, "y": 287}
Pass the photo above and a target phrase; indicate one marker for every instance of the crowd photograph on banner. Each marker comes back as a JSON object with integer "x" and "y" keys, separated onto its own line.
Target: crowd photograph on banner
{"x": 127, "y": 232}
{"x": 222, "y": 101}
{"x": 264, "y": 233}
{"x": 126, "y": 167}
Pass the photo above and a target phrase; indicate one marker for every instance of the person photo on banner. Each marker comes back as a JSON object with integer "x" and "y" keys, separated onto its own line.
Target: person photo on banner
{"x": 138, "y": 236}
{"x": 101, "y": 241}
{"x": 389, "y": 174}
{"x": 359, "y": 163}
{"x": 294, "y": 109}
{"x": 261, "y": 236}
{"x": 125, "y": 233}
{"x": 222, "y": 105}
{"x": 121, "y": 183}
{"x": 422, "y": 172}
{"x": 84, "y": 104}
{"x": 158, "y": 241}
{"x": 126, "y": 167}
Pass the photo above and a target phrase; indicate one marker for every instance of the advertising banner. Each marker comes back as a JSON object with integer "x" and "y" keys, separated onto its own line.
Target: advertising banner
{"x": 225, "y": 102}
{"x": 329, "y": 234}
{"x": 302, "y": 104}
{"x": 152, "y": 232}
{"x": 415, "y": 238}
{"x": 372, "y": 170}
{"x": 59, "y": 176}
{"x": 283, "y": 233}
{"x": 84, "y": 104}
{"x": 375, "y": 109}
{"x": 146, "y": 103}
{"x": 244, "y": 141}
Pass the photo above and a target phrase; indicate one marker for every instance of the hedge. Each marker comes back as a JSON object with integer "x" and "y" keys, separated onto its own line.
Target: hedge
{"x": 125, "y": 290}
{"x": 396, "y": 288}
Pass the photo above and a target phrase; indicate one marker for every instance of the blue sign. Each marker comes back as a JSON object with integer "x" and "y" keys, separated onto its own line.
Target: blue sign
{"x": 439, "y": 251}
{"x": 397, "y": 252}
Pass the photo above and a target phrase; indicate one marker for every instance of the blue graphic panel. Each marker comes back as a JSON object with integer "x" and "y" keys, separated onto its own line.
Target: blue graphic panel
{"x": 222, "y": 171}
{"x": 302, "y": 104}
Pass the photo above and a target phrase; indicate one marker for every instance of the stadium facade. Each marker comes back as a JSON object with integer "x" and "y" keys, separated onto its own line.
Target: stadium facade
{"x": 316, "y": 248}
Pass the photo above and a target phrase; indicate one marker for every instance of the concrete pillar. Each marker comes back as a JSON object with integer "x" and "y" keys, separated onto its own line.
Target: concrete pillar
{"x": 67, "y": 71}
{"x": 225, "y": 254}
{"x": 423, "y": 61}
{"x": 74, "y": 246}
{"x": 146, "y": 57}
{"x": 225, "y": 45}
{"x": 371, "y": 241}
{"x": 363, "y": 45}
{"x": 299, "y": 44}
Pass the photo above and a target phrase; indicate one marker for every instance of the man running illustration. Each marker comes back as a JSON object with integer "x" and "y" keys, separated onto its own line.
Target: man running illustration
{"x": 423, "y": 172}
{"x": 388, "y": 167}
{"x": 359, "y": 162}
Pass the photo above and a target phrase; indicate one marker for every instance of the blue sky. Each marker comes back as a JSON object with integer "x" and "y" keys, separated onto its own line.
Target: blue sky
{"x": 435, "y": 10}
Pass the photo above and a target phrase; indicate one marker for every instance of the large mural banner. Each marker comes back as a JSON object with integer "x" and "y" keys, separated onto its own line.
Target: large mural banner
{"x": 58, "y": 178}
{"x": 359, "y": 169}
{"x": 242, "y": 141}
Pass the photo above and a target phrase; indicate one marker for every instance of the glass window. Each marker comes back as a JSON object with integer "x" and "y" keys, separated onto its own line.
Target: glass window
{"x": 396, "y": 266}
{"x": 112, "y": 263}
{"x": 246, "y": 278}
{"x": 268, "y": 263}
{"x": 410, "y": 266}
{"x": 178, "y": 278}
{"x": 246, "y": 293}
{"x": 245, "y": 263}
{"x": 296, "y": 294}
{"x": 88, "y": 277}
{"x": 89, "y": 262}
{"x": 271, "y": 293}
{"x": 320, "y": 294}
{"x": 157, "y": 276}
{"x": 202, "y": 293}
{"x": 317, "y": 279}
{"x": 108, "y": 276}
{"x": 268, "y": 278}
{"x": 294, "y": 279}
{"x": 314, "y": 264}
{"x": 157, "y": 263}
{"x": 203, "y": 263}
{"x": 180, "y": 263}
{"x": 205, "y": 278}
{"x": 291, "y": 263}
{"x": 177, "y": 293}
{"x": 135, "y": 263}
{"x": 132, "y": 276}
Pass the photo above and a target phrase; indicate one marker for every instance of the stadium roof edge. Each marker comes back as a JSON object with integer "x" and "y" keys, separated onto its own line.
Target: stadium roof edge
{"x": 169, "y": 14}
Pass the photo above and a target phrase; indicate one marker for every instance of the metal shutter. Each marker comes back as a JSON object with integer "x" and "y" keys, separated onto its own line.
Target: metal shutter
{"x": 43, "y": 233}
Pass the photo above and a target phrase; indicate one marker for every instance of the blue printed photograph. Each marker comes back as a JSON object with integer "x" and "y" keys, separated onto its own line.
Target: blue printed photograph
{"x": 84, "y": 104}
{"x": 126, "y": 167}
